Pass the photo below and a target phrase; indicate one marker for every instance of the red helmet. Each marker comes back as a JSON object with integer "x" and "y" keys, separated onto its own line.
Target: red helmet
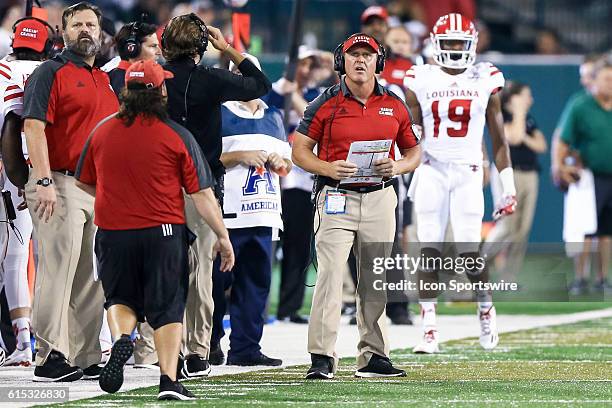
{"x": 454, "y": 27}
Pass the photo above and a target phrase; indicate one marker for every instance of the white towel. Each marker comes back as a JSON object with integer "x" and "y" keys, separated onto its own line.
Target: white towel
{"x": 579, "y": 211}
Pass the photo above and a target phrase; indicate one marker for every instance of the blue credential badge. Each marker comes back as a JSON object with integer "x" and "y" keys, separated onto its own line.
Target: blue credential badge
{"x": 335, "y": 202}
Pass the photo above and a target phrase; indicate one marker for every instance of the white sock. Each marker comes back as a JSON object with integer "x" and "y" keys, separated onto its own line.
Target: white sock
{"x": 21, "y": 327}
{"x": 428, "y": 313}
{"x": 484, "y": 306}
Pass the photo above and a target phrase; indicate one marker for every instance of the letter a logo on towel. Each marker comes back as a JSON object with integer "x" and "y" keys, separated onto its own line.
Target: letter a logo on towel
{"x": 255, "y": 177}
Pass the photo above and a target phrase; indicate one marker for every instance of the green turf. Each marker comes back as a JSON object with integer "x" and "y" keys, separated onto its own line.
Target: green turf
{"x": 567, "y": 365}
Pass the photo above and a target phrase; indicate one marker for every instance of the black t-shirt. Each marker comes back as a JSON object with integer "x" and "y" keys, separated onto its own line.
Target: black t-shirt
{"x": 523, "y": 158}
{"x": 208, "y": 89}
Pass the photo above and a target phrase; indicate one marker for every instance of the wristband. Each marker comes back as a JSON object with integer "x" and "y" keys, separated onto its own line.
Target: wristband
{"x": 506, "y": 177}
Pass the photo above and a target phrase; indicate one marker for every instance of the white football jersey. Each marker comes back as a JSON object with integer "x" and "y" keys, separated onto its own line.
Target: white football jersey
{"x": 13, "y": 75}
{"x": 454, "y": 109}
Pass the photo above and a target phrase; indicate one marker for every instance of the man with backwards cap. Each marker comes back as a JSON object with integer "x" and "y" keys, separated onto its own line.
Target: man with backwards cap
{"x": 141, "y": 245}
{"x": 349, "y": 214}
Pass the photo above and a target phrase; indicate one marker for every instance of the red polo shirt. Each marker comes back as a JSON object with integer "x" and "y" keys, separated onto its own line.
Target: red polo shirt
{"x": 335, "y": 119}
{"x": 140, "y": 171}
{"x": 71, "y": 97}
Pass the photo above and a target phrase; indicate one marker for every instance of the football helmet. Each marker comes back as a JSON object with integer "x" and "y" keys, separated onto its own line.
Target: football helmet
{"x": 454, "y": 27}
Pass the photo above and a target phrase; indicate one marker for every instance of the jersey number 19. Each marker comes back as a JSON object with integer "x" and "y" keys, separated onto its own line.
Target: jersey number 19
{"x": 458, "y": 111}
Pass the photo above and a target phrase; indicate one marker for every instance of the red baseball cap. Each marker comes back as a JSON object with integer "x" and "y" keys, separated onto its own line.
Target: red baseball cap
{"x": 148, "y": 73}
{"x": 360, "y": 39}
{"x": 31, "y": 33}
{"x": 374, "y": 11}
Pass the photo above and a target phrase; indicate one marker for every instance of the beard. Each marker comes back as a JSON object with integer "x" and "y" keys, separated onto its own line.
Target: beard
{"x": 85, "y": 45}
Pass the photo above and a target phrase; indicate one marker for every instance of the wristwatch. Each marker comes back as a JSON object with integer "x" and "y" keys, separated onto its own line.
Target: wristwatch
{"x": 45, "y": 182}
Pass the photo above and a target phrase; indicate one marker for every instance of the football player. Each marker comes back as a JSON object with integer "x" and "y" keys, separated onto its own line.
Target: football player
{"x": 452, "y": 101}
{"x": 32, "y": 43}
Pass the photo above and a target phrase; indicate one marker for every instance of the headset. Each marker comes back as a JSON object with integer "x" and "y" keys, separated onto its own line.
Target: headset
{"x": 203, "y": 40}
{"x": 131, "y": 47}
{"x": 54, "y": 33}
{"x": 339, "y": 55}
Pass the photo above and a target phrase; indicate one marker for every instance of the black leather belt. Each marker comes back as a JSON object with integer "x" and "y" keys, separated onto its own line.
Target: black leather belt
{"x": 524, "y": 167}
{"x": 359, "y": 189}
{"x": 65, "y": 172}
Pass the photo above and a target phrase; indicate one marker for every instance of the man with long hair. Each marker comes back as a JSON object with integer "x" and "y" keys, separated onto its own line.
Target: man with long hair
{"x": 142, "y": 242}
{"x": 195, "y": 95}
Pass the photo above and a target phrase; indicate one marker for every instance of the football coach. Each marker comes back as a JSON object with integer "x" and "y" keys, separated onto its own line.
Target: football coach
{"x": 136, "y": 163}
{"x": 346, "y": 216}
{"x": 195, "y": 95}
{"x": 65, "y": 97}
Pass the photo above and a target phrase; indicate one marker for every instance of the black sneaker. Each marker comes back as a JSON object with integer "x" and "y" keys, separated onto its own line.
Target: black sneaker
{"x": 401, "y": 319}
{"x": 195, "y": 367}
{"x": 92, "y": 372}
{"x": 602, "y": 285}
{"x": 259, "y": 360}
{"x": 348, "y": 309}
{"x": 216, "y": 356}
{"x": 379, "y": 367}
{"x": 297, "y": 319}
{"x": 111, "y": 376}
{"x": 294, "y": 318}
{"x": 179, "y": 366}
{"x": 322, "y": 367}
{"x": 56, "y": 369}
{"x": 173, "y": 390}
{"x": 579, "y": 287}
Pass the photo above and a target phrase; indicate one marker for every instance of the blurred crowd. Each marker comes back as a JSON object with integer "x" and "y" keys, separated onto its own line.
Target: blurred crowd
{"x": 416, "y": 17}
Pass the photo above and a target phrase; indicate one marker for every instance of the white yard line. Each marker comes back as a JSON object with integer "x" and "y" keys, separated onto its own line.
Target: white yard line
{"x": 288, "y": 341}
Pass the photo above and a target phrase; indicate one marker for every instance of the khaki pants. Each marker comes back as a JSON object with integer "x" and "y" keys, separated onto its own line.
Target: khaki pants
{"x": 369, "y": 218}
{"x": 68, "y": 304}
{"x": 144, "y": 347}
{"x": 199, "y": 307}
{"x": 513, "y": 231}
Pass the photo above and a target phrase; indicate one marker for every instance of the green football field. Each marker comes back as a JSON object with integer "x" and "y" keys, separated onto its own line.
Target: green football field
{"x": 566, "y": 365}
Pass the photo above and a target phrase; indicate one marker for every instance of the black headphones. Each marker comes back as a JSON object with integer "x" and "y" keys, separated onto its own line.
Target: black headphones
{"x": 339, "y": 55}
{"x": 131, "y": 47}
{"x": 52, "y": 35}
{"x": 203, "y": 40}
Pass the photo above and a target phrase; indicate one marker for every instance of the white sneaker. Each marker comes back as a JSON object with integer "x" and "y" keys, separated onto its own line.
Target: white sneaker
{"x": 429, "y": 344}
{"x": 21, "y": 358}
{"x": 488, "y": 329}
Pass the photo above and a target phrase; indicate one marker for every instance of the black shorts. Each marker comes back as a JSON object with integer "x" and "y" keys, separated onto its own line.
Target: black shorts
{"x": 146, "y": 270}
{"x": 603, "y": 201}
